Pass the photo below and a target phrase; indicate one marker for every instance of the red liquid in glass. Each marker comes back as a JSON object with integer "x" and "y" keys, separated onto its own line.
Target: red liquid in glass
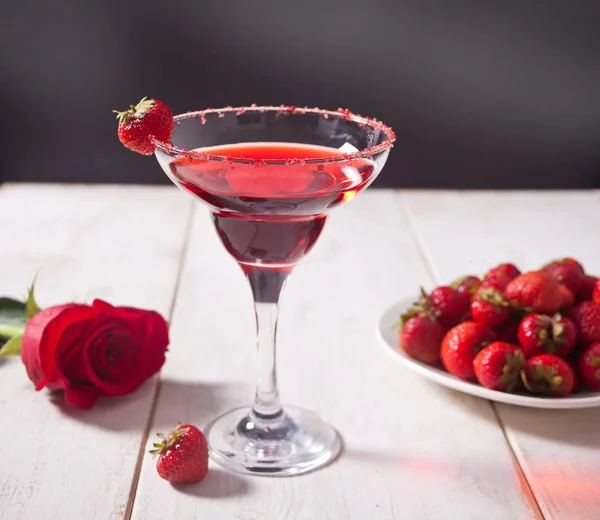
{"x": 270, "y": 216}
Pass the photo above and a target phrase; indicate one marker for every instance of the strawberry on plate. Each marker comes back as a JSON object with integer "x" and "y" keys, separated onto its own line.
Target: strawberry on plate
{"x": 498, "y": 366}
{"x": 490, "y": 307}
{"x": 536, "y": 291}
{"x": 589, "y": 366}
{"x": 586, "y": 289}
{"x": 566, "y": 271}
{"x": 542, "y": 334}
{"x": 577, "y": 380}
{"x": 548, "y": 374}
{"x": 596, "y": 292}
{"x": 508, "y": 331}
{"x": 450, "y": 304}
{"x": 501, "y": 275}
{"x": 460, "y": 346}
{"x": 586, "y": 316}
{"x": 567, "y": 298}
{"x": 182, "y": 455}
{"x": 466, "y": 284}
{"x": 149, "y": 118}
{"x": 420, "y": 337}
{"x": 445, "y": 303}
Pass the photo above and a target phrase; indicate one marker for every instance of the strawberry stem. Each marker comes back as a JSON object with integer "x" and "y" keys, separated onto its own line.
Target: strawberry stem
{"x": 526, "y": 383}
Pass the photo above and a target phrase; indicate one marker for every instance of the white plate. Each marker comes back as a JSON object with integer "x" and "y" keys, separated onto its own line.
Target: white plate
{"x": 390, "y": 339}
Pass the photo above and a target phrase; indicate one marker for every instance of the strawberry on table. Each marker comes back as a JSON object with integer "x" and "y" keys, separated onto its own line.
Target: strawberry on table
{"x": 502, "y": 274}
{"x": 548, "y": 374}
{"x": 586, "y": 316}
{"x": 589, "y": 366}
{"x": 566, "y": 271}
{"x": 535, "y": 291}
{"x": 182, "y": 455}
{"x": 466, "y": 284}
{"x": 498, "y": 366}
{"x": 542, "y": 334}
{"x": 490, "y": 307}
{"x": 149, "y": 118}
{"x": 586, "y": 289}
{"x": 460, "y": 346}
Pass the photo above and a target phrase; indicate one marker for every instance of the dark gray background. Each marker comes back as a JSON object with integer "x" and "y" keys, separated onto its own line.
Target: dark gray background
{"x": 481, "y": 94}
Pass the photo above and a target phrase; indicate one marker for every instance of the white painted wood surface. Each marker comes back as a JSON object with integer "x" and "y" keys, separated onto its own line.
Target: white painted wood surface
{"x": 122, "y": 244}
{"x": 412, "y": 449}
{"x": 469, "y": 232}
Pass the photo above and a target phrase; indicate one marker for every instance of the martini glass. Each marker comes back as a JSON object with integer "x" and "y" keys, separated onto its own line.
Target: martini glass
{"x": 270, "y": 175}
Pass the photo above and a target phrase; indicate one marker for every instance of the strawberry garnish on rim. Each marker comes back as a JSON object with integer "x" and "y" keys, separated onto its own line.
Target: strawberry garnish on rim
{"x": 150, "y": 118}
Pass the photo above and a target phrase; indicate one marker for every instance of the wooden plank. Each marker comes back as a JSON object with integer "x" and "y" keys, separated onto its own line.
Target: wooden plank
{"x": 122, "y": 244}
{"x": 412, "y": 450}
{"x": 465, "y": 232}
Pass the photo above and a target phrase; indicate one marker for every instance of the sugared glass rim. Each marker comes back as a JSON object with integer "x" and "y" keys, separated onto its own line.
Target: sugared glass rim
{"x": 388, "y": 142}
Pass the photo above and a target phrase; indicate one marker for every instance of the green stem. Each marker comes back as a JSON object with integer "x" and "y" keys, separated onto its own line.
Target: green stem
{"x": 9, "y": 331}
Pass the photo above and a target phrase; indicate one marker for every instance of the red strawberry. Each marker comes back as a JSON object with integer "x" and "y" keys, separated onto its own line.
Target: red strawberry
{"x": 182, "y": 455}
{"x": 499, "y": 365}
{"x": 450, "y": 304}
{"x": 567, "y": 298}
{"x": 539, "y": 334}
{"x": 567, "y": 272}
{"x": 535, "y": 292}
{"x": 466, "y": 284}
{"x": 502, "y": 274}
{"x": 446, "y": 304}
{"x": 494, "y": 283}
{"x": 489, "y": 307}
{"x": 460, "y": 346}
{"x": 596, "y": 292}
{"x": 421, "y": 336}
{"x": 586, "y": 289}
{"x": 149, "y": 118}
{"x": 507, "y": 332}
{"x": 548, "y": 374}
{"x": 586, "y": 316}
{"x": 589, "y": 366}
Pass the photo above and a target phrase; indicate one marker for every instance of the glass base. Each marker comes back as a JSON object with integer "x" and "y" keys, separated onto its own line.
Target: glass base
{"x": 296, "y": 442}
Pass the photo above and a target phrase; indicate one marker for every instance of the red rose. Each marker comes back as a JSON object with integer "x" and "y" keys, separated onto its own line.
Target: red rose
{"x": 92, "y": 351}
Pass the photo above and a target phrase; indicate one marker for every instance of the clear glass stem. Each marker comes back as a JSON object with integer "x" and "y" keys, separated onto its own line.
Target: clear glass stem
{"x": 267, "y": 286}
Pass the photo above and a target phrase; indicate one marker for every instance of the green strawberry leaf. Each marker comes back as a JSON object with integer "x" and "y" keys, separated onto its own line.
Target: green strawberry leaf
{"x": 12, "y": 347}
{"x": 31, "y": 306}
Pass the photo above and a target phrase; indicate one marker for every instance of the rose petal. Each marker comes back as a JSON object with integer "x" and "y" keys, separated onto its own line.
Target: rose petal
{"x": 59, "y": 336}
{"x": 40, "y": 341}
{"x": 125, "y": 375}
{"x": 82, "y": 396}
{"x": 113, "y": 337}
{"x": 154, "y": 331}
{"x": 101, "y": 305}
{"x": 73, "y": 361}
{"x": 157, "y": 330}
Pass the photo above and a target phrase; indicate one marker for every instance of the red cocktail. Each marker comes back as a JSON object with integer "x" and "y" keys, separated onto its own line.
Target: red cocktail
{"x": 271, "y": 215}
{"x": 270, "y": 176}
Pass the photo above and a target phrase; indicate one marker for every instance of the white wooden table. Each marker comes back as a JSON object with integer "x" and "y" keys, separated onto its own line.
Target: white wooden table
{"x": 413, "y": 450}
